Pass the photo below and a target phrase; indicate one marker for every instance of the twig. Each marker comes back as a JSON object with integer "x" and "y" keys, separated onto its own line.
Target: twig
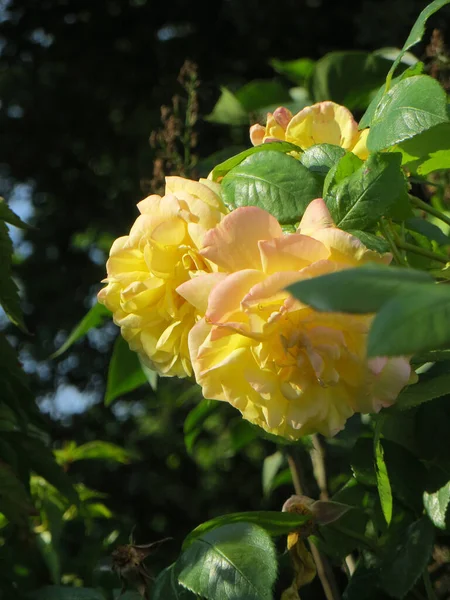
{"x": 429, "y": 209}
{"x": 324, "y": 570}
{"x": 428, "y": 585}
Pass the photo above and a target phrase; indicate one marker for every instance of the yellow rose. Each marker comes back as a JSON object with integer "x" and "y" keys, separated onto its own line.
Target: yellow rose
{"x": 322, "y": 123}
{"x": 145, "y": 268}
{"x": 287, "y": 368}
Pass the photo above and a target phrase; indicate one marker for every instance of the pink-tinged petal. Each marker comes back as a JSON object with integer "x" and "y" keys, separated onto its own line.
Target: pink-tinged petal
{"x": 197, "y": 290}
{"x": 282, "y": 116}
{"x": 388, "y": 376}
{"x": 360, "y": 147}
{"x": 323, "y": 123}
{"x": 257, "y": 133}
{"x": 225, "y": 297}
{"x": 271, "y": 289}
{"x": 233, "y": 244}
{"x": 348, "y": 249}
{"x": 291, "y": 253}
{"x": 316, "y": 216}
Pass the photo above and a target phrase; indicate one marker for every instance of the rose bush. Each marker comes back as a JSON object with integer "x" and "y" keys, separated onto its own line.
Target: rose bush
{"x": 321, "y": 123}
{"x": 286, "y": 367}
{"x": 145, "y": 268}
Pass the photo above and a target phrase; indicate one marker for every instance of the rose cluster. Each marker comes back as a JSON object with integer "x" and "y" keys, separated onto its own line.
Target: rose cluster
{"x": 198, "y": 290}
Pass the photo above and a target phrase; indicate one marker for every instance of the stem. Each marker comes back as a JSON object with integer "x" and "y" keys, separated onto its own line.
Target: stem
{"x": 387, "y": 234}
{"x": 428, "y": 585}
{"x": 318, "y": 463}
{"x": 324, "y": 570}
{"x": 422, "y": 252}
{"x": 429, "y": 209}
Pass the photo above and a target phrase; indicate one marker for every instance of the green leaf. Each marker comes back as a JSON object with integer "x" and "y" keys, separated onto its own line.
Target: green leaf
{"x": 407, "y": 559}
{"x": 424, "y": 391}
{"x": 346, "y": 166}
{"x": 321, "y": 157}
{"x": 271, "y": 465}
{"x": 274, "y": 522}
{"x": 368, "y": 115}
{"x": 233, "y": 562}
{"x": 96, "y": 449}
{"x": 6, "y": 214}
{"x": 9, "y": 294}
{"x": 371, "y": 241}
{"x": 228, "y": 110}
{"x": 407, "y": 475}
{"x": 298, "y": 71}
{"x": 415, "y": 34}
{"x": 349, "y": 78}
{"x": 166, "y": 586}
{"x": 258, "y": 94}
{"x": 223, "y": 168}
{"x": 150, "y": 374}
{"x": 412, "y": 322}
{"x": 428, "y": 151}
{"x": 125, "y": 373}
{"x": 412, "y": 106}
{"x": 93, "y": 318}
{"x": 363, "y": 584}
{"x": 360, "y": 199}
{"x": 436, "y": 505}
{"x": 383, "y": 483}
{"x": 276, "y": 182}
{"x": 360, "y": 290}
{"x": 429, "y": 230}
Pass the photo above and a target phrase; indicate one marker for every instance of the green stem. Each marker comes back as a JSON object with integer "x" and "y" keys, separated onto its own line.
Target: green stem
{"x": 428, "y": 585}
{"x": 429, "y": 209}
{"x": 387, "y": 234}
{"x": 422, "y": 252}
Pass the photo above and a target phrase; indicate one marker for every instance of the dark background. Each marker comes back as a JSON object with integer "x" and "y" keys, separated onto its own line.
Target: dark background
{"x": 81, "y": 85}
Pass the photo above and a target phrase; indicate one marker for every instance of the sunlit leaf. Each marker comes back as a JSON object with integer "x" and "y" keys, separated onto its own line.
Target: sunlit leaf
{"x": 436, "y": 506}
{"x": 94, "y": 318}
{"x": 125, "y": 372}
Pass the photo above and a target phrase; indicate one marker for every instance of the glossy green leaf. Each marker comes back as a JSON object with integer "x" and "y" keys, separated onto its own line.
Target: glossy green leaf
{"x": 436, "y": 506}
{"x": 273, "y": 181}
{"x": 423, "y": 391}
{"x": 228, "y": 110}
{"x": 406, "y": 560}
{"x": 383, "y": 483}
{"x": 298, "y": 71}
{"x": 416, "y": 33}
{"x": 412, "y": 323}
{"x": 93, "y": 318}
{"x": 223, "y": 168}
{"x": 258, "y": 94}
{"x": 359, "y": 200}
{"x": 367, "y": 117}
{"x": 360, "y": 290}
{"x": 412, "y": 106}
{"x": 9, "y": 293}
{"x": 274, "y": 522}
{"x": 321, "y": 157}
{"x": 166, "y": 586}
{"x": 6, "y": 214}
{"x": 232, "y": 562}
{"x": 125, "y": 373}
{"x": 344, "y": 168}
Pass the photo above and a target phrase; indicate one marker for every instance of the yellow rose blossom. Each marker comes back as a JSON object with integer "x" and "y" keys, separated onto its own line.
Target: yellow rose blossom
{"x": 286, "y": 367}
{"x": 145, "y": 268}
{"x": 321, "y": 123}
